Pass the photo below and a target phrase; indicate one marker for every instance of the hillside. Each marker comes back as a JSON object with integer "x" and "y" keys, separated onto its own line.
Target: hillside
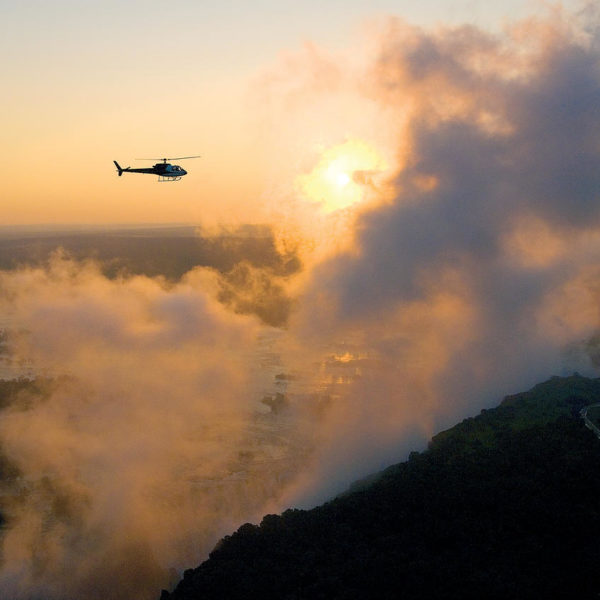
{"x": 503, "y": 505}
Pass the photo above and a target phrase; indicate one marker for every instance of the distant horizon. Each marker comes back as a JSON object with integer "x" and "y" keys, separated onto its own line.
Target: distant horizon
{"x": 103, "y": 225}
{"x": 22, "y": 228}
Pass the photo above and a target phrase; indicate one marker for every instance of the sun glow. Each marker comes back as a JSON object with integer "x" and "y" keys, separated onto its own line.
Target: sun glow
{"x": 343, "y": 176}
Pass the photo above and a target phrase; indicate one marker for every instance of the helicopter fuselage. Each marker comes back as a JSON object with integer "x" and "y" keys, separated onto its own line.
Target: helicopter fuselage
{"x": 164, "y": 170}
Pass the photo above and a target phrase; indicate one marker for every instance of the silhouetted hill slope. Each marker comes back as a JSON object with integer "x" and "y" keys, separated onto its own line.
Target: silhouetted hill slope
{"x": 504, "y": 505}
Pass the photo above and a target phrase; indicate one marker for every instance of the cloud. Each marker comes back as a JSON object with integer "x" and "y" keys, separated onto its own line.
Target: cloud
{"x": 153, "y": 446}
{"x": 473, "y": 280}
{"x": 251, "y": 291}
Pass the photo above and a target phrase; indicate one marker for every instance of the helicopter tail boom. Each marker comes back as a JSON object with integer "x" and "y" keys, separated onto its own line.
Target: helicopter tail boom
{"x": 118, "y": 168}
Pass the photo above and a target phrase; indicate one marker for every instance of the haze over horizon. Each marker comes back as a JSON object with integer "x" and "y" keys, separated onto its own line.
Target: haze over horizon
{"x": 428, "y": 183}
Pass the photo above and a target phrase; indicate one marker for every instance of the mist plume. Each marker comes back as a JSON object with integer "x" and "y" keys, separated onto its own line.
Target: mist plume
{"x": 474, "y": 278}
{"x": 119, "y": 462}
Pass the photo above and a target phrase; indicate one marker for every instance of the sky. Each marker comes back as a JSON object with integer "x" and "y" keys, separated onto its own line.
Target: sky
{"x": 86, "y": 83}
{"x": 436, "y": 176}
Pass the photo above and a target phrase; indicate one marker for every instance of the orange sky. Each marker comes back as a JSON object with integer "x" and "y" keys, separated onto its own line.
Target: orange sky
{"x": 88, "y": 83}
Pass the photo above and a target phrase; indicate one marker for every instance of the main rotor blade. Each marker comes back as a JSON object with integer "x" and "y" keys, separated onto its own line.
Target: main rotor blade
{"x": 165, "y": 159}
{"x": 183, "y": 157}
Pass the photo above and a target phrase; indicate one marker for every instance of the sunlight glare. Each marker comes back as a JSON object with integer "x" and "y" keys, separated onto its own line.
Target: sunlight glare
{"x": 342, "y": 177}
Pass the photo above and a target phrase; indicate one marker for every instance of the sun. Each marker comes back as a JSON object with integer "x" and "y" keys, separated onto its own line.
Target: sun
{"x": 342, "y": 176}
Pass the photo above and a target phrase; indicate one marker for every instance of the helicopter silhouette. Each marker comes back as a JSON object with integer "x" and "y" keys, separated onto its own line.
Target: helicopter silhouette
{"x": 165, "y": 171}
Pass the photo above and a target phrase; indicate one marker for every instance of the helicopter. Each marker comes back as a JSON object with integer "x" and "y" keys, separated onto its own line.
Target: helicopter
{"x": 165, "y": 171}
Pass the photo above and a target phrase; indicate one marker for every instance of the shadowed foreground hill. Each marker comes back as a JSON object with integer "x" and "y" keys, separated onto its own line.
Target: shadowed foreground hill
{"x": 504, "y": 505}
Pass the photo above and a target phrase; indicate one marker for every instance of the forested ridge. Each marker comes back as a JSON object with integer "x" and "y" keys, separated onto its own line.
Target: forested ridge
{"x": 503, "y": 505}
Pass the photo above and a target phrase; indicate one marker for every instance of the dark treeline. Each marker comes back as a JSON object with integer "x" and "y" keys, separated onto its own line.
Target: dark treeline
{"x": 504, "y": 505}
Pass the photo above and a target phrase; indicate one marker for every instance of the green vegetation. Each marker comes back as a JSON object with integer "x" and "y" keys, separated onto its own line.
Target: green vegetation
{"x": 543, "y": 404}
{"x": 504, "y": 505}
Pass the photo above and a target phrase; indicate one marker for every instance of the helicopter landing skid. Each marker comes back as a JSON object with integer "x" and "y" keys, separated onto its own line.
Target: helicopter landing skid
{"x": 166, "y": 178}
